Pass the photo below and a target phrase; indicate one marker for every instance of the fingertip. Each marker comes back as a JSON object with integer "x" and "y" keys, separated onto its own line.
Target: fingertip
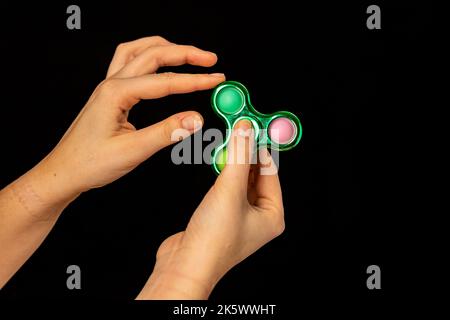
{"x": 212, "y": 55}
{"x": 266, "y": 163}
{"x": 243, "y": 124}
{"x": 216, "y": 78}
{"x": 202, "y": 58}
{"x": 211, "y": 61}
{"x": 214, "y": 61}
{"x": 240, "y": 146}
{"x": 192, "y": 121}
{"x": 264, "y": 157}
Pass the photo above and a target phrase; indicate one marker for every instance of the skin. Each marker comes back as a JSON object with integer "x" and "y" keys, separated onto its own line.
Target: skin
{"x": 241, "y": 212}
{"x": 101, "y": 146}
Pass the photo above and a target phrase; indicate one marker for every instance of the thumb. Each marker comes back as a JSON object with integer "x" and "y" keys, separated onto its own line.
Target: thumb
{"x": 239, "y": 157}
{"x": 166, "y": 132}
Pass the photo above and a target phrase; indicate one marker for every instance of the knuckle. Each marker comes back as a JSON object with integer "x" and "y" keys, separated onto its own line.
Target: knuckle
{"x": 168, "y": 78}
{"x": 109, "y": 87}
{"x": 168, "y": 127}
{"x": 158, "y": 38}
{"x": 190, "y": 47}
{"x": 121, "y": 47}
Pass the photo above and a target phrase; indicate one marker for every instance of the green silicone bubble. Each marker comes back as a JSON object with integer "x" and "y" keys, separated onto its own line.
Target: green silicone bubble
{"x": 221, "y": 159}
{"x": 231, "y": 101}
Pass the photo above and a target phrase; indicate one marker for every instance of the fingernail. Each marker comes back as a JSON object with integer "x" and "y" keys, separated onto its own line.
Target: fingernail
{"x": 243, "y": 128}
{"x": 192, "y": 123}
{"x": 244, "y": 124}
{"x": 221, "y": 75}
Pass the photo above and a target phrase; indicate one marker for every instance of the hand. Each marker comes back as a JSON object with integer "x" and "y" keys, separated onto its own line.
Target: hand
{"x": 101, "y": 145}
{"x": 240, "y": 213}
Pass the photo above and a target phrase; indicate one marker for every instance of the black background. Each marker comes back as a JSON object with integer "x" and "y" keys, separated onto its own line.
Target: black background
{"x": 316, "y": 60}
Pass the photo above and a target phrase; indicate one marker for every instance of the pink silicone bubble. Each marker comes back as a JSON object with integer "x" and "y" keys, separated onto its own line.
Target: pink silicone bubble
{"x": 282, "y": 130}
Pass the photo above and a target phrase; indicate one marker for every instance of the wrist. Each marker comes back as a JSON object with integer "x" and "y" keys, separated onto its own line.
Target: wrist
{"x": 174, "y": 285}
{"x": 43, "y": 192}
{"x": 180, "y": 276}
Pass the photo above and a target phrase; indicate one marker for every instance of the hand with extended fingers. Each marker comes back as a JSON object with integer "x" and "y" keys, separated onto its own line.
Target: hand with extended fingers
{"x": 96, "y": 148}
{"x": 101, "y": 145}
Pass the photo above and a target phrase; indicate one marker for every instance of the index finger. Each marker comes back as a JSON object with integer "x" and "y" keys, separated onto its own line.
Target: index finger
{"x": 127, "y": 92}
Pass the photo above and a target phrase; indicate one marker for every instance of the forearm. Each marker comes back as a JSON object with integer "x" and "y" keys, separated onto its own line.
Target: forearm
{"x": 29, "y": 208}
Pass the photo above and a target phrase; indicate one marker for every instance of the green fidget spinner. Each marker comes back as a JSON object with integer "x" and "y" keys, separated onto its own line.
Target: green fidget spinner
{"x": 281, "y": 130}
